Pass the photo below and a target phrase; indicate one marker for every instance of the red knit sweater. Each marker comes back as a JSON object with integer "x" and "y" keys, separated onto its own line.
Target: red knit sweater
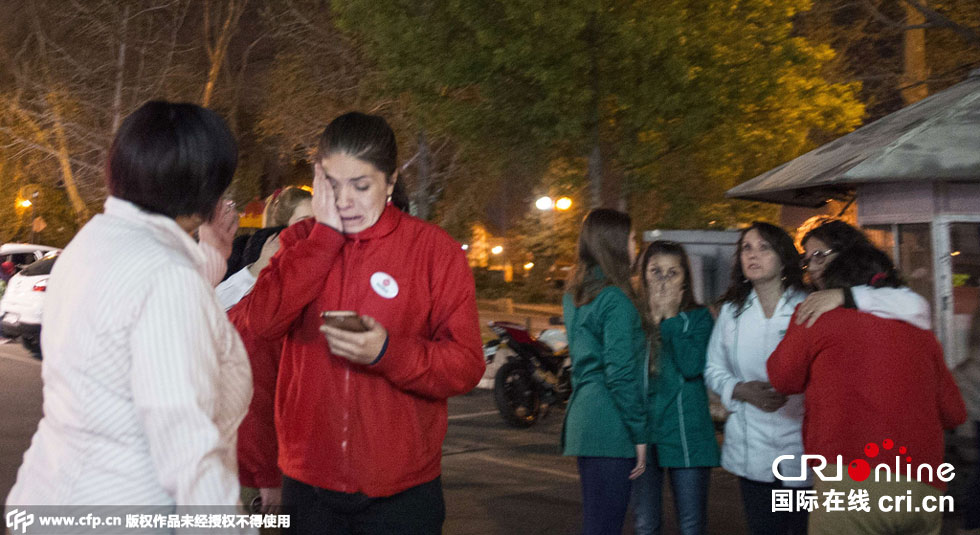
{"x": 868, "y": 380}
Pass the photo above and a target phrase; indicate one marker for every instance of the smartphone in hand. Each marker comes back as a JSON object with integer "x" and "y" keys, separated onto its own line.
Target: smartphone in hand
{"x": 347, "y": 320}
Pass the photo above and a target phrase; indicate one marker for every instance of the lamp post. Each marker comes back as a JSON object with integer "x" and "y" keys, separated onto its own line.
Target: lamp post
{"x": 547, "y": 204}
{"x": 33, "y": 207}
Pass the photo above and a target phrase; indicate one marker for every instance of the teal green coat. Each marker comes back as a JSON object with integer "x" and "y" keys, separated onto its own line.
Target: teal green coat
{"x": 606, "y": 414}
{"x": 680, "y": 423}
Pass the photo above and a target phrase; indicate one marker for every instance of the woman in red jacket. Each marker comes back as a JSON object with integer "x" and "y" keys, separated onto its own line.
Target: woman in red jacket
{"x": 361, "y": 416}
{"x": 877, "y": 391}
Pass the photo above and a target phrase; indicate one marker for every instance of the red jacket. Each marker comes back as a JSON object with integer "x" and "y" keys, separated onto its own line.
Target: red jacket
{"x": 258, "y": 451}
{"x": 867, "y": 379}
{"x": 375, "y": 429}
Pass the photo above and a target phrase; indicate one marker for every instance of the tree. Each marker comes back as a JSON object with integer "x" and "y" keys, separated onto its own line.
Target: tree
{"x": 68, "y": 73}
{"x": 643, "y": 91}
{"x": 869, "y": 34}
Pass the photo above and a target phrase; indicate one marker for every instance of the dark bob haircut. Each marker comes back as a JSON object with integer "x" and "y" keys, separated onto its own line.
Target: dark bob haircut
{"x": 862, "y": 263}
{"x": 174, "y": 159}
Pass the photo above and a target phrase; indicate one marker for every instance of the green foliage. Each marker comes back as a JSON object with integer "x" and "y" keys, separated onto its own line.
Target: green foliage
{"x": 530, "y": 289}
{"x": 687, "y": 97}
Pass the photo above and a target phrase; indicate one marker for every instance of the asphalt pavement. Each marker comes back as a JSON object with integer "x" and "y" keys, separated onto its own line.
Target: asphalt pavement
{"x": 498, "y": 480}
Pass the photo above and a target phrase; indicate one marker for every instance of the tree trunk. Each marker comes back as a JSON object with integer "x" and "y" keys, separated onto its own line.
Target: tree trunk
{"x": 61, "y": 140}
{"x": 595, "y": 174}
{"x": 64, "y": 160}
{"x": 120, "y": 66}
{"x": 218, "y": 49}
{"x": 916, "y": 72}
{"x": 595, "y": 155}
{"x": 423, "y": 187}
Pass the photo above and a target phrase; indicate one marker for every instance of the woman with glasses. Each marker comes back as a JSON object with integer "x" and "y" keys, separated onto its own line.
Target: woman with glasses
{"x": 821, "y": 245}
{"x": 910, "y": 401}
{"x": 767, "y": 285}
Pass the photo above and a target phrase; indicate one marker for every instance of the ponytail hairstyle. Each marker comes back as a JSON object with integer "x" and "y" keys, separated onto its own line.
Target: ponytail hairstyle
{"x": 370, "y": 139}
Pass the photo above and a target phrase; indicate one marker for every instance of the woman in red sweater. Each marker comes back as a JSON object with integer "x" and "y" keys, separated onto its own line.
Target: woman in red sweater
{"x": 361, "y": 416}
{"x": 877, "y": 391}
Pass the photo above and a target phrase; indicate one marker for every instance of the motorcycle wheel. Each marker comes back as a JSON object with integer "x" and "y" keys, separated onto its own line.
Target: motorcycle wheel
{"x": 33, "y": 345}
{"x": 516, "y": 395}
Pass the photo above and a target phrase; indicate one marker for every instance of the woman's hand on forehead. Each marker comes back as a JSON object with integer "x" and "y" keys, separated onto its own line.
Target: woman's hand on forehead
{"x": 324, "y": 203}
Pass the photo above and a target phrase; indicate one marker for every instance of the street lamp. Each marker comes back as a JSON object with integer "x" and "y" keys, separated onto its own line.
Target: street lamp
{"x": 25, "y": 203}
{"x": 497, "y": 249}
{"x": 547, "y": 204}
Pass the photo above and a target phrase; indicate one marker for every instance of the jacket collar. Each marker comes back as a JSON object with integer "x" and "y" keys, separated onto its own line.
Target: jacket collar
{"x": 784, "y": 299}
{"x": 163, "y": 228}
{"x": 385, "y": 225}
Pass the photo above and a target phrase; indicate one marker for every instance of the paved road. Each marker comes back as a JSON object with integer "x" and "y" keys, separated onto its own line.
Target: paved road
{"x": 20, "y": 409}
{"x": 498, "y": 480}
{"x": 505, "y": 481}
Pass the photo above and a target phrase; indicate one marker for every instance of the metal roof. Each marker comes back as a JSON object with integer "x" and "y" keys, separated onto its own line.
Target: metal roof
{"x": 937, "y": 138}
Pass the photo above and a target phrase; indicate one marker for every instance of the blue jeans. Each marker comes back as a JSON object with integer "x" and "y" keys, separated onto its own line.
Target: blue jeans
{"x": 605, "y": 493}
{"x": 690, "y": 488}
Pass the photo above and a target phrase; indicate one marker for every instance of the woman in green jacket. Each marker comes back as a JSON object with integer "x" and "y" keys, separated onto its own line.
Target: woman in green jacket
{"x": 605, "y": 425}
{"x": 680, "y": 425}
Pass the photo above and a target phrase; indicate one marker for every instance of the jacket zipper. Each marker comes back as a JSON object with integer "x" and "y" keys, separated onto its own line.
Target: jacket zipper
{"x": 745, "y": 419}
{"x": 350, "y": 249}
{"x": 680, "y": 409}
{"x": 680, "y": 416}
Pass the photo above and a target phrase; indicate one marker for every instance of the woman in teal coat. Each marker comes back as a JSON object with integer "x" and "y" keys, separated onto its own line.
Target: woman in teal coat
{"x": 605, "y": 425}
{"x": 680, "y": 424}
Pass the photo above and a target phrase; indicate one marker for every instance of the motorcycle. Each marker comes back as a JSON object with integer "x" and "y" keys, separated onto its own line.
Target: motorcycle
{"x": 536, "y": 375}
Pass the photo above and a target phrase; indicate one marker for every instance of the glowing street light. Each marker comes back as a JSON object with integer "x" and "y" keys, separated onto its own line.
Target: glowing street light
{"x": 528, "y": 266}
{"x": 25, "y": 203}
{"x": 544, "y": 203}
{"x": 497, "y": 249}
{"x": 563, "y": 203}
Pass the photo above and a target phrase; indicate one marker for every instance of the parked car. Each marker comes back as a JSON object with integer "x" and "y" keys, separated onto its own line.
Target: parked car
{"x": 22, "y": 302}
{"x": 23, "y": 254}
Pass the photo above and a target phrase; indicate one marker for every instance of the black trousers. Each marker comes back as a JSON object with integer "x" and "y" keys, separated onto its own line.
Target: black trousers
{"x": 419, "y": 510}
{"x": 757, "y": 499}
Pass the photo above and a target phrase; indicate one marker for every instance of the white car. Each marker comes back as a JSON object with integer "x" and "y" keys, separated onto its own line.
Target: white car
{"x": 23, "y": 254}
{"x": 22, "y": 302}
